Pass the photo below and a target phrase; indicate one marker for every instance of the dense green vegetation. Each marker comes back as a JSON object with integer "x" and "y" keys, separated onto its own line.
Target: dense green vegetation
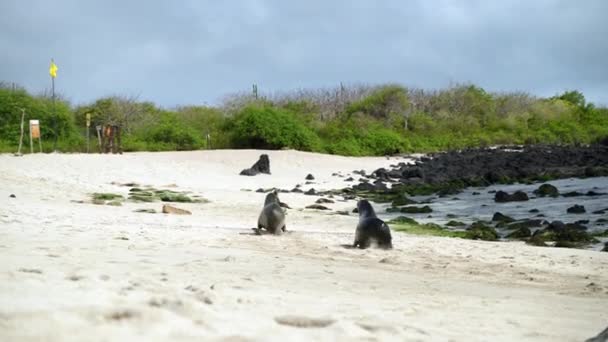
{"x": 54, "y": 118}
{"x": 355, "y": 121}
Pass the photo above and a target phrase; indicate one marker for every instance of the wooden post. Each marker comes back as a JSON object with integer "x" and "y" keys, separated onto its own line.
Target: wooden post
{"x": 407, "y": 115}
{"x": 35, "y": 133}
{"x": 105, "y": 138}
{"x": 40, "y": 142}
{"x": 88, "y": 130}
{"x": 98, "y": 127}
{"x": 118, "y": 139}
{"x": 112, "y": 146}
{"x": 31, "y": 142}
{"x": 54, "y": 110}
{"x": 21, "y": 137}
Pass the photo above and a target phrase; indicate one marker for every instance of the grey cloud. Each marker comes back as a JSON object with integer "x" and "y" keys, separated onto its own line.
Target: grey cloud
{"x": 190, "y": 52}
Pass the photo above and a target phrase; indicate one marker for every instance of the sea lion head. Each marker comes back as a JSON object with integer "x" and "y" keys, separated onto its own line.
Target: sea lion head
{"x": 272, "y": 197}
{"x": 365, "y": 209}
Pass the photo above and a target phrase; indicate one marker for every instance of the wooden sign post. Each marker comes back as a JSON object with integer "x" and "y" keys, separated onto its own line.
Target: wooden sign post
{"x": 35, "y": 134}
{"x": 98, "y": 128}
{"x": 21, "y": 137}
{"x": 88, "y": 130}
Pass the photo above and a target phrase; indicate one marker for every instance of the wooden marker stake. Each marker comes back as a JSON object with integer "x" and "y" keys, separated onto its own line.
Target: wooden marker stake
{"x": 21, "y": 137}
{"x": 31, "y": 142}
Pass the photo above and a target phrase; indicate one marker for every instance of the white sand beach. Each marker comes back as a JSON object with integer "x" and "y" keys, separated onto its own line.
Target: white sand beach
{"x": 74, "y": 271}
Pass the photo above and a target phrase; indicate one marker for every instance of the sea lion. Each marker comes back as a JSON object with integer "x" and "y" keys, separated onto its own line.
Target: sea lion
{"x": 261, "y": 166}
{"x": 371, "y": 228}
{"x": 272, "y": 217}
{"x": 601, "y": 337}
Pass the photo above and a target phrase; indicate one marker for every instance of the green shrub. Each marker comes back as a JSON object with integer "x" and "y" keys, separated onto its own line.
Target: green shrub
{"x": 381, "y": 141}
{"x": 348, "y": 146}
{"x": 267, "y": 127}
{"x": 356, "y": 122}
{"x": 55, "y": 118}
{"x": 131, "y": 143}
{"x": 382, "y": 103}
{"x": 359, "y": 135}
{"x": 169, "y": 133}
{"x": 206, "y": 120}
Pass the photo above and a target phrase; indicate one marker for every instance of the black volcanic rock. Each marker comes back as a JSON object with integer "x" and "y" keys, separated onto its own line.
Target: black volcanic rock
{"x": 547, "y": 190}
{"x": 576, "y": 209}
{"x": 517, "y": 196}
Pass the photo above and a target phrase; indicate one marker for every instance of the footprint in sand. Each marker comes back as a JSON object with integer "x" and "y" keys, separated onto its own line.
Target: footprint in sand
{"x": 376, "y": 328}
{"x": 204, "y": 297}
{"x": 304, "y": 322}
{"x": 389, "y": 261}
{"x": 121, "y": 315}
{"x": 201, "y": 295}
{"x": 30, "y": 270}
{"x": 243, "y": 301}
{"x": 593, "y": 287}
{"x": 165, "y": 303}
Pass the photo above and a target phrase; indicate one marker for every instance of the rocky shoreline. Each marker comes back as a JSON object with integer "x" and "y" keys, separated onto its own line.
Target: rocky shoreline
{"x": 441, "y": 175}
{"x": 411, "y": 189}
{"x": 447, "y": 174}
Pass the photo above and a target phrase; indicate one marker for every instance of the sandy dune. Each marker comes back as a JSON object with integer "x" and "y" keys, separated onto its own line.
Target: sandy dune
{"x": 77, "y": 271}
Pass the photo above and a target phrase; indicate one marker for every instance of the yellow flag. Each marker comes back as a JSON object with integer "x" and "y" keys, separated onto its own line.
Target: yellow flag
{"x": 53, "y": 69}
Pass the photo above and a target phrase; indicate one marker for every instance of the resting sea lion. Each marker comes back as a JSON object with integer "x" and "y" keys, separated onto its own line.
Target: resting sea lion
{"x": 371, "y": 228}
{"x": 272, "y": 217}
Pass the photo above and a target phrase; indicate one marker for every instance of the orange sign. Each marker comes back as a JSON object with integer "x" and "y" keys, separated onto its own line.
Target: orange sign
{"x": 35, "y": 128}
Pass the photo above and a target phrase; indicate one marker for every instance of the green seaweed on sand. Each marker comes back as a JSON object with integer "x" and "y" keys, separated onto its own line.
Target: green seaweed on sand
{"x": 481, "y": 231}
{"x": 147, "y": 211}
{"x": 101, "y": 198}
{"x": 106, "y": 196}
{"x": 428, "y": 229}
{"x": 154, "y": 195}
{"x": 453, "y": 223}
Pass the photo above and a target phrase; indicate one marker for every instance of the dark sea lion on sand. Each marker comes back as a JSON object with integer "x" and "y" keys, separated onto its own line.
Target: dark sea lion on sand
{"x": 371, "y": 228}
{"x": 601, "y": 337}
{"x": 272, "y": 217}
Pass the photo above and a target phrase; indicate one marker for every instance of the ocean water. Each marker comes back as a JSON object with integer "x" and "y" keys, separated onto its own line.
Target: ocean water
{"x": 469, "y": 208}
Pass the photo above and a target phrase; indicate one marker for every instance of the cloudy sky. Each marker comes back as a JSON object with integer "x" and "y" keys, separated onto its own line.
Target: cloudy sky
{"x": 197, "y": 51}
